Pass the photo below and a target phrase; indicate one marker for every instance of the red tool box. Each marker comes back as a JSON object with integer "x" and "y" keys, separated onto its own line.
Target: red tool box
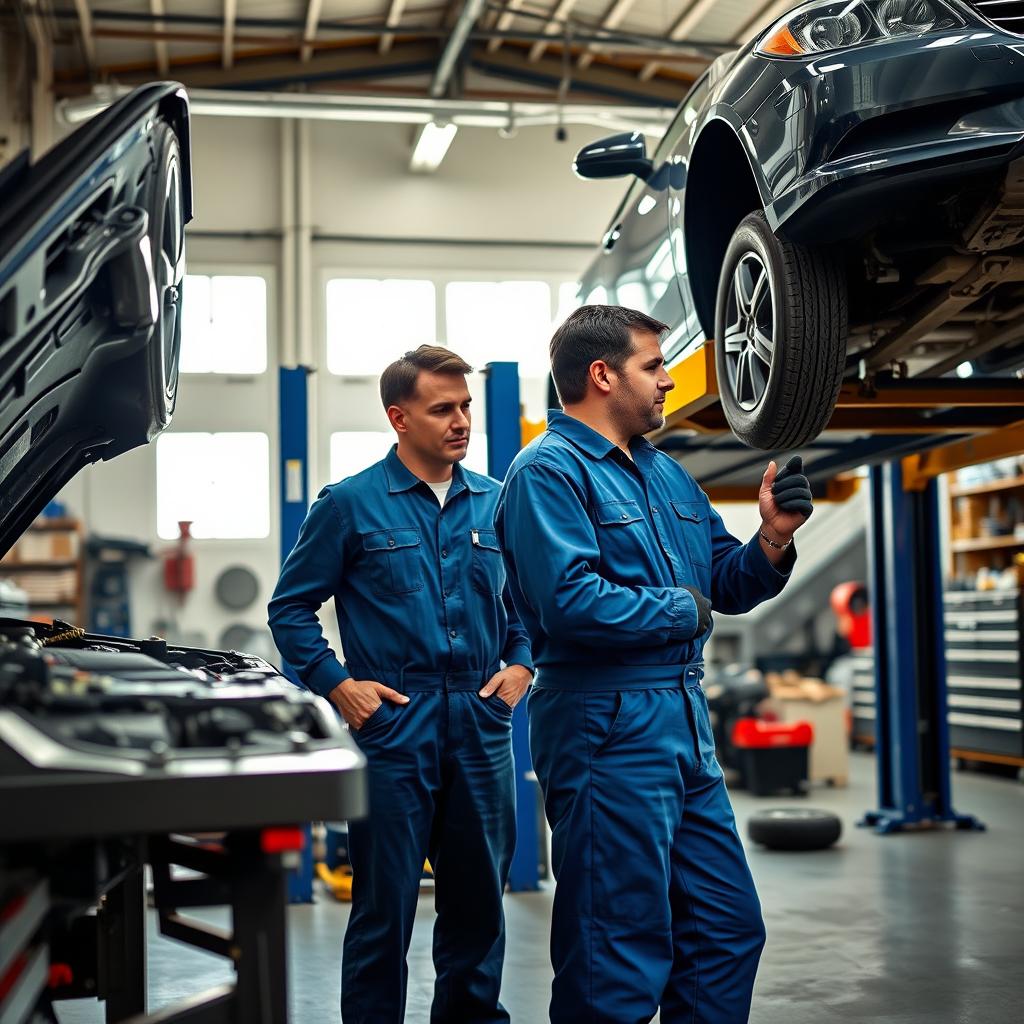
{"x": 772, "y": 756}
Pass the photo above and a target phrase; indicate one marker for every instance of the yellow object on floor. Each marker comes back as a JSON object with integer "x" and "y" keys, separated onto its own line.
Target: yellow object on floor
{"x": 339, "y": 881}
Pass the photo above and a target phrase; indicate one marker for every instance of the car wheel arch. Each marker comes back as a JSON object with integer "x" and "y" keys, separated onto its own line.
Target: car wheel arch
{"x": 722, "y": 187}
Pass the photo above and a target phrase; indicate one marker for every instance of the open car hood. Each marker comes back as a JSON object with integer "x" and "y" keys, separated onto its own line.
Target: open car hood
{"x": 91, "y": 270}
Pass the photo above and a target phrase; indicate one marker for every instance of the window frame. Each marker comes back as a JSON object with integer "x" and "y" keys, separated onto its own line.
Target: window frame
{"x": 267, "y": 271}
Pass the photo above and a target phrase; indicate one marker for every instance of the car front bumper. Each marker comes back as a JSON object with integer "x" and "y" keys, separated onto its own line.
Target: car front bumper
{"x": 855, "y": 137}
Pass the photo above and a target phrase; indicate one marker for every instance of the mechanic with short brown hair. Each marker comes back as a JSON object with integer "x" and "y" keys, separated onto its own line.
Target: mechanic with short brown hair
{"x": 435, "y": 661}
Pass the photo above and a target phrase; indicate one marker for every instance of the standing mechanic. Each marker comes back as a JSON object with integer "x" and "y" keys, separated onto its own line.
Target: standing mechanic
{"x": 615, "y": 559}
{"x": 407, "y": 550}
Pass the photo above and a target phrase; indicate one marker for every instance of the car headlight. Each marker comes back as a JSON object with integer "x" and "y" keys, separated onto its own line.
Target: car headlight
{"x": 821, "y": 27}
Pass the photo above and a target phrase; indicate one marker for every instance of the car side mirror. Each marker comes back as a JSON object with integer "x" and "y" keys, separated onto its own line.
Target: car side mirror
{"x": 614, "y": 157}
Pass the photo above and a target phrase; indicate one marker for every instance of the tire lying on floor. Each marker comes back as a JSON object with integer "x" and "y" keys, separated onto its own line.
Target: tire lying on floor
{"x": 794, "y": 829}
{"x": 780, "y": 337}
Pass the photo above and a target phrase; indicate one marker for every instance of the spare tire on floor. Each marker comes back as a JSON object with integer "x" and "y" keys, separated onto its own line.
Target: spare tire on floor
{"x": 794, "y": 828}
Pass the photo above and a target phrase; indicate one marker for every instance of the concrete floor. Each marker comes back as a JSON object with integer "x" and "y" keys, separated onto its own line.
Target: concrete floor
{"x": 892, "y": 930}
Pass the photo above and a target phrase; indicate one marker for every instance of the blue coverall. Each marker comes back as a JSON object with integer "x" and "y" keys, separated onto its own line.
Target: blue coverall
{"x": 422, "y": 604}
{"x": 655, "y": 905}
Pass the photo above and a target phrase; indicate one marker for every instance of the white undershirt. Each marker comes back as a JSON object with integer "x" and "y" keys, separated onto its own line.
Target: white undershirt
{"x": 440, "y": 490}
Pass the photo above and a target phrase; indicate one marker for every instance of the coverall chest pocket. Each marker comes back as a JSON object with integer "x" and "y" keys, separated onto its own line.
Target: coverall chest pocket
{"x": 693, "y": 523}
{"x": 619, "y": 531}
{"x": 488, "y": 567}
{"x": 393, "y": 560}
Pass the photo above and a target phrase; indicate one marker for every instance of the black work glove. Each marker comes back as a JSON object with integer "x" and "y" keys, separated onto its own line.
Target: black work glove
{"x": 792, "y": 490}
{"x": 703, "y": 610}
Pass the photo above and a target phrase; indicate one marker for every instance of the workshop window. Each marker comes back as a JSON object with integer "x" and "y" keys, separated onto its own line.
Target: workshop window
{"x": 224, "y": 325}
{"x": 370, "y": 323}
{"x": 568, "y": 300}
{"x": 218, "y": 482}
{"x": 500, "y": 321}
{"x": 352, "y": 451}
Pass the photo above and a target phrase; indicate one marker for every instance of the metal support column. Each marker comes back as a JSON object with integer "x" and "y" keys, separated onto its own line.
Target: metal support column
{"x": 912, "y": 734}
{"x": 503, "y": 444}
{"x": 293, "y": 415}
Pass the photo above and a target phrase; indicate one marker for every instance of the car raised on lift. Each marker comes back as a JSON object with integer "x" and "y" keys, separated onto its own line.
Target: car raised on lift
{"x": 842, "y": 198}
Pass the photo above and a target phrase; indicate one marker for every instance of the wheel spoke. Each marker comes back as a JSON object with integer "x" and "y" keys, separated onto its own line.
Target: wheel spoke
{"x": 763, "y": 346}
{"x": 734, "y": 337}
{"x": 760, "y": 291}
{"x": 745, "y": 381}
{"x": 758, "y": 378}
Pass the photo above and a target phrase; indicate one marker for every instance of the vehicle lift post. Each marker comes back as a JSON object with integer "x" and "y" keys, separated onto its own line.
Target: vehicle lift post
{"x": 912, "y": 734}
{"x": 293, "y": 466}
{"x": 504, "y": 440}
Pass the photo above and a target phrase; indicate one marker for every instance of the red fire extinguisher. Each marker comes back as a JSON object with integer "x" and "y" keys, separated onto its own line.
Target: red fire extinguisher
{"x": 179, "y": 568}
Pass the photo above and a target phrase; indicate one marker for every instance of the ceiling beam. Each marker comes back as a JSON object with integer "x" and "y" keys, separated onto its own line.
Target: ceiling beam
{"x": 453, "y": 48}
{"x": 163, "y": 64}
{"x": 553, "y": 27}
{"x": 504, "y": 22}
{"x": 599, "y": 79}
{"x": 88, "y": 40}
{"x": 684, "y": 25}
{"x": 312, "y": 21}
{"x": 230, "y": 10}
{"x": 275, "y": 72}
{"x": 395, "y": 13}
{"x": 612, "y": 19}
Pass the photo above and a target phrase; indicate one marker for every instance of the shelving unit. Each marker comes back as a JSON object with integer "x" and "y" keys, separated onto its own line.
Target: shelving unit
{"x": 47, "y": 563}
{"x": 984, "y": 522}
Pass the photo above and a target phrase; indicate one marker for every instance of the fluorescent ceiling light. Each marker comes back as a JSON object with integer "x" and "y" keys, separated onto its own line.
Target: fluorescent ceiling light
{"x": 431, "y": 145}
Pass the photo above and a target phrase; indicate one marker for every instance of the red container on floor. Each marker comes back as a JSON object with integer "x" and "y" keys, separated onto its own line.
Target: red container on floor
{"x": 772, "y": 755}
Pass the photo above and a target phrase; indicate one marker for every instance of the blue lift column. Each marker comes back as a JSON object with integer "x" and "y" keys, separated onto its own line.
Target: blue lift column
{"x": 504, "y": 439}
{"x": 293, "y": 447}
{"x": 912, "y": 734}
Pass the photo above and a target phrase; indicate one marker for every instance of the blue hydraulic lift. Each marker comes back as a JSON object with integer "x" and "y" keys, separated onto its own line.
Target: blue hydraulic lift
{"x": 908, "y": 431}
{"x": 504, "y": 439}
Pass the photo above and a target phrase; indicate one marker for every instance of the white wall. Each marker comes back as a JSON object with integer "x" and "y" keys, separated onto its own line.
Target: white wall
{"x": 516, "y": 190}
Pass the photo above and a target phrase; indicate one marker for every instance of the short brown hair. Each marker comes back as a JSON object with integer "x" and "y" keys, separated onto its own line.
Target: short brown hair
{"x": 591, "y": 333}
{"x": 398, "y": 381}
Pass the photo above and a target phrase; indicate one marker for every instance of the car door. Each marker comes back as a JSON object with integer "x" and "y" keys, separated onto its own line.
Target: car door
{"x": 680, "y": 140}
{"x": 635, "y": 267}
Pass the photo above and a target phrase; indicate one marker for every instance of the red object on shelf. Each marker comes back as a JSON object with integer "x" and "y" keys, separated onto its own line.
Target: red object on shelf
{"x": 853, "y": 614}
{"x": 60, "y": 975}
{"x": 752, "y": 733}
{"x": 179, "y": 567}
{"x": 282, "y": 840}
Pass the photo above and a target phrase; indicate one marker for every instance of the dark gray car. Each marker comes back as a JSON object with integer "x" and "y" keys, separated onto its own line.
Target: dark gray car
{"x": 842, "y": 198}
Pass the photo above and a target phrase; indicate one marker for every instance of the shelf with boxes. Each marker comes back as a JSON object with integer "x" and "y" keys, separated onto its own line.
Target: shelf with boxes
{"x": 46, "y": 565}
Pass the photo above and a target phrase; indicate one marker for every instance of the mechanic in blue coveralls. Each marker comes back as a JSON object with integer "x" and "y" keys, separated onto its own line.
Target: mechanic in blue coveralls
{"x": 407, "y": 550}
{"x": 615, "y": 560}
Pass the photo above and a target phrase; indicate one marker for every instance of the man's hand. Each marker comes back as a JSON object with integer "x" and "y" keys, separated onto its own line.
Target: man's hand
{"x": 703, "y": 610}
{"x": 357, "y": 699}
{"x": 785, "y": 500}
{"x": 509, "y": 684}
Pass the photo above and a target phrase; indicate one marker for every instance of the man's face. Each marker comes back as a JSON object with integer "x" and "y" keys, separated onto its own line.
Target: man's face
{"x": 638, "y": 400}
{"x": 435, "y": 421}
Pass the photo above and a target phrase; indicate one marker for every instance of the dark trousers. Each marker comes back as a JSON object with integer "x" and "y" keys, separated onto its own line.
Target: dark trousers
{"x": 655, "y": 905}
{"x": 441, "y": 786}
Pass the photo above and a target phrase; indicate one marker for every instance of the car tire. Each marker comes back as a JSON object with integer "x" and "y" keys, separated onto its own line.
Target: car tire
{"x": 161, "y": 192}
{"x": 778, "y": 389}
{"x": 794, "y": 829}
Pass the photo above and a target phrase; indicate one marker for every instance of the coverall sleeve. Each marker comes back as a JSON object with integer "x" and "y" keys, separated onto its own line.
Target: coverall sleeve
{"x": 551, "y": 549}
{"x": 310, "y": 576}
{"x": 517, "y": 641}
{"x": 741, "y": 575}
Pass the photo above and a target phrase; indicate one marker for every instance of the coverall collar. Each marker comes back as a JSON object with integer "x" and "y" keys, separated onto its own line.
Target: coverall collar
{"x": 401, "y": 478}
{"x": 589, "y": 440}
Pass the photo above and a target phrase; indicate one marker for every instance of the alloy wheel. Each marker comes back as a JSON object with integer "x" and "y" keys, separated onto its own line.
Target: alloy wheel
{"x": 749, "y": 340}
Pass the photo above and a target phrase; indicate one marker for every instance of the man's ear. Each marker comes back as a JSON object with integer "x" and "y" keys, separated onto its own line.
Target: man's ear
{"x": 599, "y": 371}
{"x": 396, "y": 417}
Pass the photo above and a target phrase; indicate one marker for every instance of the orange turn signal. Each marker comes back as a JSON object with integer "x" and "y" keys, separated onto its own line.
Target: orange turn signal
{"x": 782, "y": 44}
